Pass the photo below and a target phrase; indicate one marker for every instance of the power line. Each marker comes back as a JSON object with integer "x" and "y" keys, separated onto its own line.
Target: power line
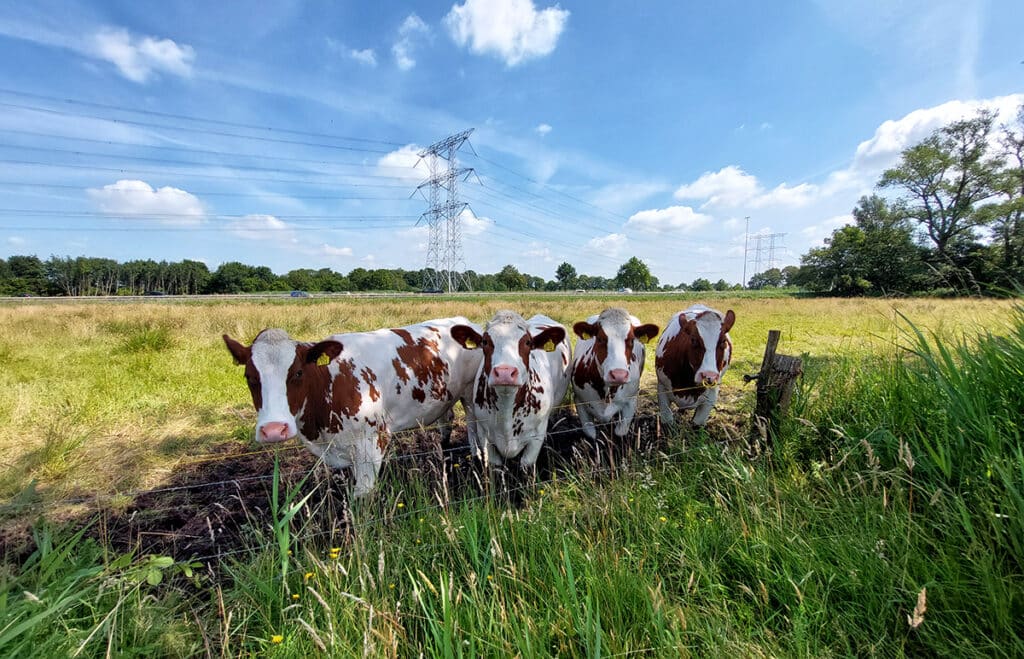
{"x": 79, "y": 188}
{"x": 186, "y": 129}
{"x": 218, "y": 122}
{"x": 445, "y": 266}
{"x": 185, "y": 149}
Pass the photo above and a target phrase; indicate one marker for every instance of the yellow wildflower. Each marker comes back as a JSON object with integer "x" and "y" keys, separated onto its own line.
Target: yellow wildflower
{"x": 276, "y": 638}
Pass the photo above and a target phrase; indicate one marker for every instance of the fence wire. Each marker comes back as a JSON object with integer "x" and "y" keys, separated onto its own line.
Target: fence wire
{"x": 394, "y": 439}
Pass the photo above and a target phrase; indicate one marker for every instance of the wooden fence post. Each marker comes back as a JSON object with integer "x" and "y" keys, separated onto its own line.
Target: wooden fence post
{"x": 774, "y": 387}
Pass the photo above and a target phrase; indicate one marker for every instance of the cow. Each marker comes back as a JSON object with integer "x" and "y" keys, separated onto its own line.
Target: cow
{"x": 606, "y": 370}
{"x": 523, "y": 376}
{"x": 345, "y": 395}
{"x": 691, "y": 358}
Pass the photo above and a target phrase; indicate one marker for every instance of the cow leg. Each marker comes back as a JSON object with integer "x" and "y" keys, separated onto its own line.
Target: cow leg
{"x": 626, "y": 414}
{"x": 366, "y": 466}
{"x": 665, "y": 406}
{"x": 447, "y": 423}
{"x": 494, "y": 465}
{"x": 704, "y": 407}
{"x": 471, "y": 432}
{"x": 586, "y": 420}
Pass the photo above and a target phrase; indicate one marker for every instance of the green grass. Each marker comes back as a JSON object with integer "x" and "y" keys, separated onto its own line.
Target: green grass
{"x": 900, "y": 469}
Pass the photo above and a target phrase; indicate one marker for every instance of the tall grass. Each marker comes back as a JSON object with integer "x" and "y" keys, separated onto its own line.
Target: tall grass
{"x": 887, "y": 522}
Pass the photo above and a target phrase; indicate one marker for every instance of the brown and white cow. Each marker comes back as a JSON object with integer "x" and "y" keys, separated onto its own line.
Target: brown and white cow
{"x": 523, "y": 376}
{"x": 343, "y": 396}
{"x": 692, "y": 356}
{"x": 608, "y": 363}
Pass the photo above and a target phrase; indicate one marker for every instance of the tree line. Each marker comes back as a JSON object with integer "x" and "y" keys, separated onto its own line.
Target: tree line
{"x": 58, "y": 276}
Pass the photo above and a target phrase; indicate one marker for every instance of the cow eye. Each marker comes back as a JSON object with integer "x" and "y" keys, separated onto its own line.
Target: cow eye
{"x": 529, "y": 343}
{"x": 298, "y": 374}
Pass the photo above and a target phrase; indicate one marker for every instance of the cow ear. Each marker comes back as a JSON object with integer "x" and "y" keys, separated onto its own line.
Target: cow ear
{"x": 730, "y": 318}
{"x": 240, "y": 352}
{"x": 584, "y": 330}
{"x": 645, "y": 333}
{"x": 466, "y": 336}
{"x": 549, "y": 338}
{"x": 322, "y": 353}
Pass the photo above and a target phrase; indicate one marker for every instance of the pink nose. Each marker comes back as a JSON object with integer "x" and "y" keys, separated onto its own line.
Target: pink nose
{"x": 504, "y": 376}
{"x": 617, "y": 376}
{"x": 708, "y": 378}
{"x": 275, "y": 431}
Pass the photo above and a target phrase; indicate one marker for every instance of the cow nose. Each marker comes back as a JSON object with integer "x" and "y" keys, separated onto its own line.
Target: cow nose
{"x": 505, "y": 375}
{"x": 708, "y": 378}
{"x": 275, "y": 431}
{"x": 618, "y": 376}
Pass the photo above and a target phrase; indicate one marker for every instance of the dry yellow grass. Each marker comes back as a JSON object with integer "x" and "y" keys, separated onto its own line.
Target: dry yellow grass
{"x": 103, "y": 397}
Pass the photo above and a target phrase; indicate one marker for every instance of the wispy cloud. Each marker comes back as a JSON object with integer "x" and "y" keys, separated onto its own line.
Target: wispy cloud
{"x": 674, "y": 219}
{"x": 408, "y": 33}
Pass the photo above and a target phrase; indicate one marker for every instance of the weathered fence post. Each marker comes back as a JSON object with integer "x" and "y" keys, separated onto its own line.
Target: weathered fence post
{"x": 774, "y": 387}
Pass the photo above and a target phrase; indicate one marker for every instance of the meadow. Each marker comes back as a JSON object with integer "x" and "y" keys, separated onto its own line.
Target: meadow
{"x": 886, "y": 520}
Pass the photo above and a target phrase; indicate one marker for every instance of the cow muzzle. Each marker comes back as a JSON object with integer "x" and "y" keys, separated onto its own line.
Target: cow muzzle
{"x": 275, "y": 431}
{"x": 617, "y": 376}
{"x": 707, "y": 379}
{"x": 505, "y": 376}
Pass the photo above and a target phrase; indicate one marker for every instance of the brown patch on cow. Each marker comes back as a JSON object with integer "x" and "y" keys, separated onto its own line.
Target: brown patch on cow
{"x": 400, "y": 371}
{"x": 383, "y": 436}
{"x": 252, "y": 378}
{"x": 418, "y": 394}
{"x": 679, "y": 362}
{"x": 422, "y": 357}
{"x": 587, "y": 372}
{"x": 370, "y": 378}
{"x": 486, "y": 397}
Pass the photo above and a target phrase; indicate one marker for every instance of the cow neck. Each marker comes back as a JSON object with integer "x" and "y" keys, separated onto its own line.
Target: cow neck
{"x": 326, "y": 399}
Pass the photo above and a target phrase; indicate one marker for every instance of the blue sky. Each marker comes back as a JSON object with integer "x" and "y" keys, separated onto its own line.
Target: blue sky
{"x": 285, "y": 133}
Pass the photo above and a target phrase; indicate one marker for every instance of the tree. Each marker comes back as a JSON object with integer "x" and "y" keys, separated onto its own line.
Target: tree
{"x": 770, "y": 278}
{"x": 701, "y": 285}
{"x": 634, "y": 274}
{"x": 944, "y": 177}
{"x": 1008, "y": 214}
{"x": 511, "y": 278}
{"x": 566, "y": 276}
{"x": 789, "y": 275}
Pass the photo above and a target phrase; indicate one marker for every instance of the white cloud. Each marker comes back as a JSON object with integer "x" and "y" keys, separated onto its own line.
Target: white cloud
{"x": 402, "y": 49}
{"x": 139, "y": 58}
{"x": 817, "y": 233}
{"x": 15, "y": 241}
{"x": 611, "y": 245}
{"x": 728, "y": 187}
{"x": 672, "y": 219}
{"x": 543, "y": 129}
{"x": 731, "y": 187}
{"x": 331, "y": 250}
{"x": 365, "y": 56}
{"x": 473, "y": 225}
{"x": 538, "y": 250}
{"x": 401, "y": 163}
{"x": 263, "y": 227}
{"x": 131, "y": 198}
{"x": 513, "y": 30}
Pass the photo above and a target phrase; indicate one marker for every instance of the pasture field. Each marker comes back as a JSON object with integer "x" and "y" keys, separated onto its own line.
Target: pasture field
{"x": 885, "y": 521}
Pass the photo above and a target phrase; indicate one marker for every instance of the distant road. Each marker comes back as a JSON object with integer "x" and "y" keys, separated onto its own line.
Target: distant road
{"x": 312, "y": 296}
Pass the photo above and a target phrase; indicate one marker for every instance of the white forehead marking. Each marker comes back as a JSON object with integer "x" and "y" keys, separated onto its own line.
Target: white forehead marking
{"x": 272, "y": 349}
{"x": 507, "y": 324}
{"x": 616, "y": 322}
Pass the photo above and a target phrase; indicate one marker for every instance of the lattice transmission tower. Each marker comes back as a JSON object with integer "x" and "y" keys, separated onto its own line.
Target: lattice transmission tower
{"x": 445, "y": 263}
{"x": 774, "y": 242}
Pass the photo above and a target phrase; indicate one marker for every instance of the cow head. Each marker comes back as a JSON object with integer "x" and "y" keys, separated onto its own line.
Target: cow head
{"x": 507, "y": 344}
{"x": 615, "y": 333}
{"x": 707, "y": 329}
{"x": 280, "y": 373}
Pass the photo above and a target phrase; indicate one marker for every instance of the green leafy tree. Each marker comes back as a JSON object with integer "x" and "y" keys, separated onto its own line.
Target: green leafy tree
{"x": 511, "y": 278}
{"x": 635, "y": 274}
{"x": 566, "y": 276}
{"x": 770, "y": 278}
{"x": 701, "y": 285}
{"x": 944, "y": 177}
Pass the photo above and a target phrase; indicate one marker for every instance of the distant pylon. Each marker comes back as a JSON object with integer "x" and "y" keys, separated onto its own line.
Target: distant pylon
{"x": 760, "y": 248}
{"x": 445, "y": 263}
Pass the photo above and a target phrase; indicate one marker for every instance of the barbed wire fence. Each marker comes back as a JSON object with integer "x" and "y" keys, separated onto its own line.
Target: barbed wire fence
{"x": 446, "y": 475}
